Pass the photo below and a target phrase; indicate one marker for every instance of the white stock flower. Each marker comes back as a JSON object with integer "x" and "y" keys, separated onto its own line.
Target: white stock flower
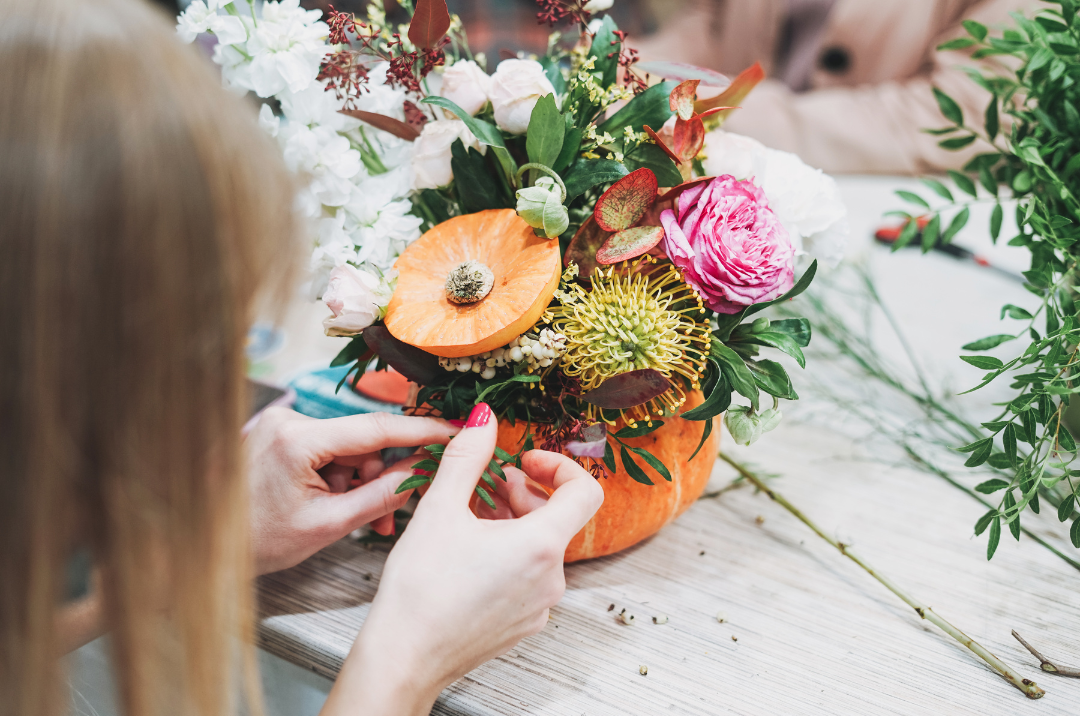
{"x": 515, "y": 88}
{"x": 431, "y": 154}
{"x": 286, "y": 48}
{"x": 268, "y": 121}
{"x": 313, "y": 106}
{"x": 466, "y": 85}
{"x": 356, "y": 298}
{"x": 202, "y": 16}
{"x": 326, "y": 157}
{"x": 598, "y": 5}
{"x": 806, "y": 200}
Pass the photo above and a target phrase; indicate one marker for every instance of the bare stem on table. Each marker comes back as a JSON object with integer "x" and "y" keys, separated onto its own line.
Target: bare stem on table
{"x": 1045, "y": 664}
{"x": 1029, "y": 687}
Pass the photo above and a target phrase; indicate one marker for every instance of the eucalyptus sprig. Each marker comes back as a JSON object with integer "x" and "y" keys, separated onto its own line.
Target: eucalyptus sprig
{"x": 1033, "y": 125}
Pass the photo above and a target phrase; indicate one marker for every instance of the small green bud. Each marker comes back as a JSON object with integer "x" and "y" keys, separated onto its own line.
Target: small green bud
{"x": 541, "y": 207}
{"x": 760, "y": 325}
{"x": 744, "y": 426}
{"x": 769, "y": 419}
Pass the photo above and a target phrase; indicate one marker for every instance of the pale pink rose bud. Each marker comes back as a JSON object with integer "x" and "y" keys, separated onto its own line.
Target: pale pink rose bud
{"x": 357, "y": 299}
{"x": 466, "y": 85}
{"x": 730, "y": 246}
{"x": 515, "y": 88}
{"x": 431, "y": 152}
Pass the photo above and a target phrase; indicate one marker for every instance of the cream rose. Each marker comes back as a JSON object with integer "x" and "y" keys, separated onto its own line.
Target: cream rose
{"x": 431, "y": 152}
{"x": 357, "y": 299}
{"x": 515, "y": 88}
{"x": 466, "y": 85}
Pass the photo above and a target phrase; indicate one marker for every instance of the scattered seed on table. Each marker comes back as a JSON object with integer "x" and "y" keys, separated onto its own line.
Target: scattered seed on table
{"x": 734, "y": 638}
{"x": 611, "y": 608}
{"x": 760, "y": 519}
{"x": 626, "y": 617}
{"x": 702, "y": 553}
{"x": 643, "y": 670}
{"x": 721, "y": 617}
{"x": 662, "y": 619}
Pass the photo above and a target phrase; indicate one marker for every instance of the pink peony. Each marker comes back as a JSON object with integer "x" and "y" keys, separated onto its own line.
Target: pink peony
{"x": 731, "y": 247}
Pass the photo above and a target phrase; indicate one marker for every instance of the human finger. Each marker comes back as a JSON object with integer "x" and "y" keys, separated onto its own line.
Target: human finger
{"x": 576, "y": 497}
{"x": 370, "y": 432}
{"x": 370, "y": 501}
{"x": 464, "y": 459}
{"x": 519, "y": 492}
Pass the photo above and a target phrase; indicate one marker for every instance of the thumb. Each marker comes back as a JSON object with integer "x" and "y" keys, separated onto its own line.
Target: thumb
{"x": 465, "y": 459}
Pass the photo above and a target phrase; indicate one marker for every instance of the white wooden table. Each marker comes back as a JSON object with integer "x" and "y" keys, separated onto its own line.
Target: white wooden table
{"x": 815, "y": 635}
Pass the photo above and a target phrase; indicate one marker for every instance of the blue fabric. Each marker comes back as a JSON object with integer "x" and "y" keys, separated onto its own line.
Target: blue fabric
{"x": 315, "y": 396}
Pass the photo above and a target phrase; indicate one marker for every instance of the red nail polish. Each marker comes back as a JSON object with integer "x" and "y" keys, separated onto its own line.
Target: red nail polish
{"x": 479, "y": 416}
{"x": 457, "y": 423}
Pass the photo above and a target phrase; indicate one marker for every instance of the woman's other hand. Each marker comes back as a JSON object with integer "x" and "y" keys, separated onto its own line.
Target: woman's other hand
{"x": 301, "y": 470}
{"x": 457, "y": 590}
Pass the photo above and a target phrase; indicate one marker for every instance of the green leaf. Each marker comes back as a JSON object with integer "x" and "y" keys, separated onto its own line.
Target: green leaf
{"x": 797, "y": 328}
{"x": 801, "y": 285}
{"x": 546, "y": 132}
{"x": 1074, "y": 533}
{"x": 983, "y": 362}
{"x": 958, "y": 222}
{"x": 963, "y": 183}
{"x": 1065, "y": 509}
{"x": 705, "y": 433}
{"x": 717, "y": 398}
{"x": 609, "y": 458}
{"x": 605, "y": 48}
{"x": 995, "y": 221}
{"x": 650, "y": 107}
{"x": 351, "y": 352}
{"x": 911, "y": 228}
{"x": 554, "y": 74}
{"x": 1014, "y": 312}
{"x": 427, "y": 465}
{"x": 780, "y": 341}
{"x": 773, "y": 379}
{"x": 958, "y": 44}
{"x": 653, "y": 157}
{"x": 975, "y": 29}
{"x": 985, "y": 344}
{"x": 503, "y": 455}
{"x": 930, "y": 233}
{"x": 956, "y": 142}
{"x": 987, "y": 180}
{"x": 485, "y": 497}
{"x": 641, "y": 430}
{"x": 949, "y": 107}
{"x": 632, "y": 468}
{"x": 412, "y": 483}
{"x": 991, "y": 118}
{"x": 494, "y": 468}
{"x": 736, "y": 372}
{"x": 991, "y": 486}
{"x": 653, "y": 461}
{"x": 476, "y": 188}
{"x": 984, "y": 522}
{"x": 484, "y": 132}
{"x": 938, "y": 188}
{"x": 995, "y": 537}
{"x": 571, "y": 145}
{"x": 587, "y": 173}
{"x": 981, "y": 453}
{"x": 912, "y": 198}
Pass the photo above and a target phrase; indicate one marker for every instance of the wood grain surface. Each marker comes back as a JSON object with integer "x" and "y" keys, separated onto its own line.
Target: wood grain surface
{"x": 815, "y": 635}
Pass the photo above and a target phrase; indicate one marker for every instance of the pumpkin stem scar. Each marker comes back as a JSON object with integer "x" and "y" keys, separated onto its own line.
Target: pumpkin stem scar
{"x": 469, "y": 282}
{"x": 1029, "y": 687}
{"x": 547, "y": 170}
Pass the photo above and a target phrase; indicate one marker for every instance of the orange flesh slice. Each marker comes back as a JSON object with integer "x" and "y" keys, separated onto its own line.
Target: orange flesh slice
{"x": 526, "y": 269}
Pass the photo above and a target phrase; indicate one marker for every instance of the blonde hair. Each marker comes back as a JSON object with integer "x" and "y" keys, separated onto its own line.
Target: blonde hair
{"x": 141, "y": 208}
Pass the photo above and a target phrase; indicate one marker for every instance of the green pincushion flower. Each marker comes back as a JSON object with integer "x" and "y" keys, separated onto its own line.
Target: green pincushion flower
{"x": 638, "y": 314}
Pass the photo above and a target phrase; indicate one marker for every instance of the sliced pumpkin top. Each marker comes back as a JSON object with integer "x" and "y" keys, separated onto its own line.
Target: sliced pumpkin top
{"x": 526, "y": 272}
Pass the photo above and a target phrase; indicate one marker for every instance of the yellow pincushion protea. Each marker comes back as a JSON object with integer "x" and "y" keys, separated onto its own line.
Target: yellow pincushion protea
{"x": 638, "y": 314}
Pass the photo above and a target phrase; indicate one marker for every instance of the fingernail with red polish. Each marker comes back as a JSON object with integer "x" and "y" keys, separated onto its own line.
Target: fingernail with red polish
{"x": 457, "y": 423}
{"x": 479, "y": 416}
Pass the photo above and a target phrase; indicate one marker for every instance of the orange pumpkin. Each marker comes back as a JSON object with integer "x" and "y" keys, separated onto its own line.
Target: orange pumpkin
{"x": 526, "y": 271}
{"x": 633, "y": 511}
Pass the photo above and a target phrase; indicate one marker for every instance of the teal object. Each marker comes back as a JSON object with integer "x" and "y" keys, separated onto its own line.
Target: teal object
{"x": 316, "y": 396}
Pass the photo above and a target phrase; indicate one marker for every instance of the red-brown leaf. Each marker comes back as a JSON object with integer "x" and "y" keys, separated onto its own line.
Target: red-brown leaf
{"x": 626, "y": 201}
{"x": 430, "y": 21}
{"x": 682, "y": 98}
{"x": 629, "y": 244}
{"x": 689, "y": 138}
{"x": 582, "y": 248}
{"x": 735, "y": 93}
{"x": 660, "y": 143}
{"x": 626, "y": 390}
{"x": 386, "y": 124}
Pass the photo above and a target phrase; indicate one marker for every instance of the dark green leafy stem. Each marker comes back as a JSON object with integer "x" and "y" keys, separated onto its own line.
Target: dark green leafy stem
{"x": 427, "y": 467}
{"x": 1038, "y": 161}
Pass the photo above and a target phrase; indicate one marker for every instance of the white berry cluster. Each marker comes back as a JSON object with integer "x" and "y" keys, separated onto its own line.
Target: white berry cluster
{"x": 537, "y": 351}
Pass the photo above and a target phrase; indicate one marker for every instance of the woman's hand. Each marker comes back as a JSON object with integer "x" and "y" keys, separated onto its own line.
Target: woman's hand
{"x": 300, "y": 469}
{"x": 457, "y": 590}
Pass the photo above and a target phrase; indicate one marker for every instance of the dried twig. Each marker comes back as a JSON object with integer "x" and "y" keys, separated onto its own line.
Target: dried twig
{"x": 1045, "y": 664}
{"x": 1029, "y": 687}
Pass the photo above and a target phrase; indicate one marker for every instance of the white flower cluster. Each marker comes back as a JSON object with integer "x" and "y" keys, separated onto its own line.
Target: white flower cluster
{"x": 358, "y": 178}
{"x": 536, "y": 351}
{"x": 806, "y": 200}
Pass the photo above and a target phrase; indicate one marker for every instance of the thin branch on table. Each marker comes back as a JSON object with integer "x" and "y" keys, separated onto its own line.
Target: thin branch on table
{"x": 1029, "y": 687}
{"x": 1045, "y": 664}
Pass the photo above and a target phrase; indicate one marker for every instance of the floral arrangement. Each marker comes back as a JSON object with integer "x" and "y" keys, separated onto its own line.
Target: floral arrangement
{"x": 1030, "y": 128}
{"x": 595, "y": 251}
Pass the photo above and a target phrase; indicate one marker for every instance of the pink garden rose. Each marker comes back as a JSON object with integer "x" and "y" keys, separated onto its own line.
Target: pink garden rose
{"x": 730, "y": 246}
{"x": 357, "y": 299}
